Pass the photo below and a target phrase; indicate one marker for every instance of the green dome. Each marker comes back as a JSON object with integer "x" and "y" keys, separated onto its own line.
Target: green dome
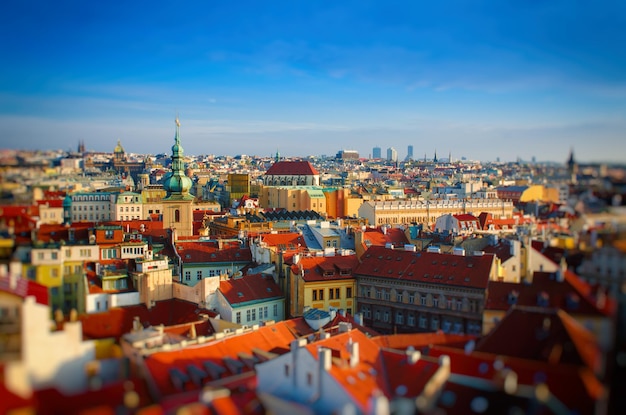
{"x": 176, "y": 183}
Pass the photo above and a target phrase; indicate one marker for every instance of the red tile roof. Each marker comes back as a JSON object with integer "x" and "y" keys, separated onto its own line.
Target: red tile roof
{"x": 119, "y": 321}
{"x": 434, "y": 268}
{"x": 576, "y": 387}
{"x": 548, "y": 335}
{"x": 24, "y": 288}
{"x": 326, "y": 268}
{"x": 419, "y": 340}
{"x": 207, "y": 252}
{"x": 293, "y": 168}
{"x": 502, "y": 250}
{"x": 272, "y": 338}
{"x": 288, "y": 241}
{"x": 377, "y": 237}
{"x": 572, "y": 294}
{"x": 254, "y": 287}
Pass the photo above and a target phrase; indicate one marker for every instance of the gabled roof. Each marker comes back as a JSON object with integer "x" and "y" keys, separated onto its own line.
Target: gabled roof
{"x": 378, "y": 237}
{"x": 24, "y": 288}
{"x": 288, "y": 241}
{"x": 249, "y": 288}
{"x": 465, "y": 218}
{"x": 207, "y": 252}
{"x": 291, "y": 168}
{"x": 427, "y": 267}
{"x": 502, "y": 250}
{"x": 326, "y": 268}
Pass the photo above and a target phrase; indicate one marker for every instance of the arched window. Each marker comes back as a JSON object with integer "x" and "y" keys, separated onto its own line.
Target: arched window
{"x": 177, "y": 215}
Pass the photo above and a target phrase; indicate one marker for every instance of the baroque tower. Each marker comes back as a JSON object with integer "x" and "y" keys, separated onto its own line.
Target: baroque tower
{"x": 177, "y": 204}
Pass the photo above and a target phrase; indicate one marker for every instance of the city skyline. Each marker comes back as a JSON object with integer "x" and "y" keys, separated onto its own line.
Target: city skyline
{"x": 481, "y": 81}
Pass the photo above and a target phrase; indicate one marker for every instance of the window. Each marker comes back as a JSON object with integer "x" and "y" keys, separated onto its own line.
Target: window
{"x": 434, "y": 323}
{"x": 248, "y": 313}
{"x": 379, "y": 294}
{"x": 40, "y": 255}
{"x": 265, "y": 312}
{"x": 275, "y": 310}
{"x": 287, "y": 370}
{"x": 198, "y": 275}
{"x": 411, "y": 320}
{"x": 187, "y": 275}
{"x": 399, "y": 318}
{"x": 399, "y": 297}
{"x": 309, "y": 378}
{"x": 411, "y": 298}
{"x": 377, "y": 315}
{"x": 314, "y": 295}
{"x": 177, "y": 215}
{"x": 321, "y": 295}
{"x": 348, "y": 292}
{"x": 253, "y": 314}
{"x": 349, "y": 310}
{"x": 54, "y": 272}
{"x": 337, "y": 293}
{"x": 423, "y": 321}
{"x": 435, "y": 302}
{"x": 386, "y": 317}
{"x": 422, "y": 300}
{"x": 108, "y": 234}
{"x": 54, "y": 255}
{"x": 387, "y": 295}
{"x": 331, "y": 294}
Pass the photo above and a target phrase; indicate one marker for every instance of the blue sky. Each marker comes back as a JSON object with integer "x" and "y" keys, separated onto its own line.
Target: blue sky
{"x": 482, "y": 79}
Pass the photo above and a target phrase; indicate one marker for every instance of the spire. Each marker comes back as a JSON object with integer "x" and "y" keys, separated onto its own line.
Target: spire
{"x": 277, "y": 156}
{"x": 177, "y": 184}
{"x": 435, "y": 158}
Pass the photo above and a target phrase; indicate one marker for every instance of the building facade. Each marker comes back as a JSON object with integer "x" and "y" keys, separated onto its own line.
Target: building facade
{"x": 405, "y": 291}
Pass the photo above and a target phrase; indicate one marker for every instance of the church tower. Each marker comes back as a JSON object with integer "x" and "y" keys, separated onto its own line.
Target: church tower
{"x": 572, "y": 166}
{"x": 177, "y": 204}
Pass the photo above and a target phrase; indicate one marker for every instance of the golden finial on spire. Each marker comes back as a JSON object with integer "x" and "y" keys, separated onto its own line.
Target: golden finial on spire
{"x": 177, "y": 121}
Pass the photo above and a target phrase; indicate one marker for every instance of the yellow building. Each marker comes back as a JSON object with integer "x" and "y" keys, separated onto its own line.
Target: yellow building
{"x": 293, "y": 198}
{"x": 341, "y": 204}
{"x": 60, "y": 268}
{"x": 321, "y": 282}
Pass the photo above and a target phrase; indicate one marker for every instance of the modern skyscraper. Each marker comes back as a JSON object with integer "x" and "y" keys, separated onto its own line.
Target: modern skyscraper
{"x": 376, "y": 153}
{"x": 392, "y": 154}
{"x": 409, "y": 153}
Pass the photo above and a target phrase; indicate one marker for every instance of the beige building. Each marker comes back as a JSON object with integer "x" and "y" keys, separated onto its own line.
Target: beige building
{"x": 397, "y": 212}
{"x": 293, "y": 198}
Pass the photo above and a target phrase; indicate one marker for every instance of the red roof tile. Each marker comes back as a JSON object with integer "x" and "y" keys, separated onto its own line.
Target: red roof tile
{"x": 119, "y": 321}
{"x": 285, "y": 241}
{"x": 24, "y": 288}
{"x": 446, "y": 269}
{"x": 286, "y": 168}
{"x": 247, "y": 288}
{"x": 271, "y": 338}
{"x": 206, "y": 252}
{"x": 548, "y": 335}
{"x": 571, "y": 294}
{"x": 326, "y": 268}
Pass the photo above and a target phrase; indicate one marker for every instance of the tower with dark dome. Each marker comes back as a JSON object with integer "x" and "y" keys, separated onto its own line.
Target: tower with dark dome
{"x": 177, "y": 204}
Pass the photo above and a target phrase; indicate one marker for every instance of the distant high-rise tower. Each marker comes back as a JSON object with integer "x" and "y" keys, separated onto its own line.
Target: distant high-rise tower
{"x": 435, "y": 158}
{"x": 409, "y": 153}
{"x": 376, "y": 153}
{"x": 81, "y": 146}
{"x": 392, "y": 154}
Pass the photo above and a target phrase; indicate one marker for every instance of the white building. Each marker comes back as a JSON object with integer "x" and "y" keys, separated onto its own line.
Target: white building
{"x": 128, "y": 206}
{"x": 250, "y": 299}
{"x": 92, "y": 206}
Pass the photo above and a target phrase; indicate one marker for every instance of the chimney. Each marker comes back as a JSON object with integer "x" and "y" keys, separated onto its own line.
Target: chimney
{"x": 412, "y": 355}
{"x": 325, "y": 359}
{"x": 353, "y": 349}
